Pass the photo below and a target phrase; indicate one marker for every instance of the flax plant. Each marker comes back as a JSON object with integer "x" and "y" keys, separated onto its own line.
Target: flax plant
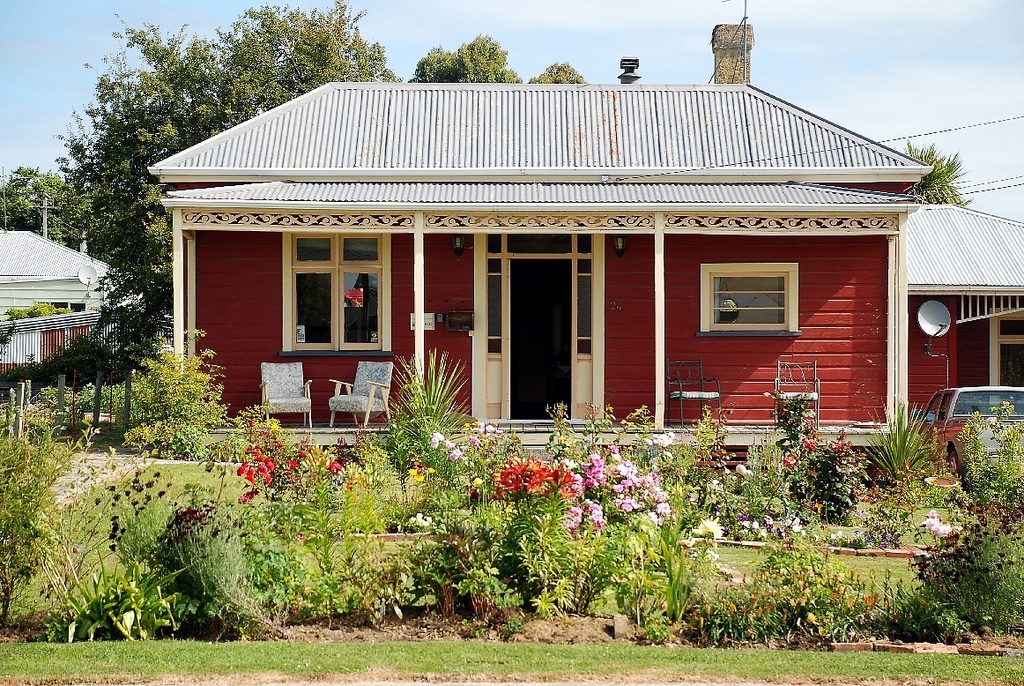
{"x": 903, "y": 448}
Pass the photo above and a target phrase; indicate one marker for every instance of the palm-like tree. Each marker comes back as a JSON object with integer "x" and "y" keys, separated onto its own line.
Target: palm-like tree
{"x": 939, "y": 186}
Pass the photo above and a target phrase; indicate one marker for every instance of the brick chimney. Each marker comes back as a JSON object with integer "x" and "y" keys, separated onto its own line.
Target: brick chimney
{"x": 732, "y": 62}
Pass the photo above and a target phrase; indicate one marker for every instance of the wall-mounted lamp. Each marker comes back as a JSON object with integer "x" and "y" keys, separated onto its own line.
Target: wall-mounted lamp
{"x": 458, "y": 243}
{"x": 620, "y": 246}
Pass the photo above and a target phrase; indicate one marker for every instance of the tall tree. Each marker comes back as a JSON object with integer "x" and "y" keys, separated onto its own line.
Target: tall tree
{"x": 163, "y": 93}
{"x": 559, "y": 72}
{"x": 939, "y": 186}
{"x": 26, "y": 194}
{"x": 482, "y": 60}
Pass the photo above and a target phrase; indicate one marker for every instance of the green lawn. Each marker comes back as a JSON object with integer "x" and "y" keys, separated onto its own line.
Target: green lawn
{"x": 867, "y": 568}
{"x": 122, "y": 662}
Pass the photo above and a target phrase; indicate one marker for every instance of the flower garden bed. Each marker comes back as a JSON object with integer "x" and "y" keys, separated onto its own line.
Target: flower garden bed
{"x": 440, "y": 522}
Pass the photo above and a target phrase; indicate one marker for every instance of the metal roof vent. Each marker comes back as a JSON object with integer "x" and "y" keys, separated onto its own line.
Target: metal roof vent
{"x": 629, "y": 65}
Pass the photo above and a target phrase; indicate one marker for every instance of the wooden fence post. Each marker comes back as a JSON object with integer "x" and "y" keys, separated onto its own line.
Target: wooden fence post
{"x": 127, "y": 399}
{"x": 97, "y": 400}
{"x": 61, "y": 390}
{"x": 19, "y": 410}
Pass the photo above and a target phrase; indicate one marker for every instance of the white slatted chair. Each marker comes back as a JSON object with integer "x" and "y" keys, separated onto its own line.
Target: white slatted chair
{"x": 284, "y": 391}
{"x": 367, "y": 395}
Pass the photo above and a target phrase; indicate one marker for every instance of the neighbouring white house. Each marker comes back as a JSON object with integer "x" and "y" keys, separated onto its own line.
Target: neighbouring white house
{"x": 34, "y": 270}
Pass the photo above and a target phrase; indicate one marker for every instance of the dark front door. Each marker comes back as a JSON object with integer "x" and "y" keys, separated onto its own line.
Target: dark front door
{"x": 541, "y": 327}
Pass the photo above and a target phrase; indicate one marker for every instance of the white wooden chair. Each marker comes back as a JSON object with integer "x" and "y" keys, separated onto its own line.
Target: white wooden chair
{"x": 367, "y": 395}
{"x": 284, "y": 391}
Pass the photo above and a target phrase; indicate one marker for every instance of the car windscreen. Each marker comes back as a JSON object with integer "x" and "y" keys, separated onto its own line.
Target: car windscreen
{"x": 987, "y": 402}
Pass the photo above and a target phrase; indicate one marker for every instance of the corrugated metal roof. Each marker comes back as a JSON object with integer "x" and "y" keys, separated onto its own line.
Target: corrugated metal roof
{"x": 23, "y": 253}
{"x": 443, "y": 127}
{"x": 398, "y": 193}
{"x": 960, "y": 249}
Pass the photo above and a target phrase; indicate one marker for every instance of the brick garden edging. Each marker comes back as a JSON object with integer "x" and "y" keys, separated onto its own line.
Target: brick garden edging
{"x": 905, "y": 553}
{"x": 920, "y": 648}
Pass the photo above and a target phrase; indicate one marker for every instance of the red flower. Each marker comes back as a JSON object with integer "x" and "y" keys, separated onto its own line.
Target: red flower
{"x": 292, "y": 464}
{"x": 247, "y": 497}
{"x": 267, "y": 478}
{"x": 241, "y": 468}
{"x": 336, "y": 467}
{"x": 789, "y": 461}
{"x": 250, "y": 475}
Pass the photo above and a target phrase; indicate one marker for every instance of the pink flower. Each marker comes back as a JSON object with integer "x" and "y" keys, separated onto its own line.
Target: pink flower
{"x": 455, "y": 455}
{"x": 788, "y": 461}
{"x": 474, "y": 441}
{"x": 436, "y": 439}
{"x": 573, "y": 518}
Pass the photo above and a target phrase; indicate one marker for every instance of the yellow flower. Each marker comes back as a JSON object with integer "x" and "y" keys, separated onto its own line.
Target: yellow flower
{"x": 709, "y": 528}
{"x": 811, "y": 619}
{"x": 478, "y": 482}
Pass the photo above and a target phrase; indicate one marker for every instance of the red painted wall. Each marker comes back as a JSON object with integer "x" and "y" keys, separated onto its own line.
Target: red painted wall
{"x": 925, "y": 374}
{"x": 972, "y": 365}
{"x": 842, "y": 318}
{"x": 843, "y": 295}
{"x": 238, "y": 296}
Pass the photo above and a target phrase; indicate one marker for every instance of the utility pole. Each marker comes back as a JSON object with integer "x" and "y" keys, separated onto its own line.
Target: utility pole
{"x": 46, "y": 207}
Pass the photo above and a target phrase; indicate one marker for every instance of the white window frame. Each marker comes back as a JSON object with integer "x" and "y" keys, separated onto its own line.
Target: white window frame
{"x": 337, "y": 267}
{"x": 998, "y": 339}
{"x": 789, "y": 271}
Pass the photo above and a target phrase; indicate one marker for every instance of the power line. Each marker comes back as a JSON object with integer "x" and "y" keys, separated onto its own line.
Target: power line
{"x": 989, "y": 183}
{"x": 996, "y": 188}
{"x": 954, "y": 128}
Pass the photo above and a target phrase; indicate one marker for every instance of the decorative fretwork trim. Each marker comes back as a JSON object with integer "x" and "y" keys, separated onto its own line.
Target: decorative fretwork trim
{"x": 689, "y": 221}
{"x": 539, "y": 221}
{"x": 298, "y": 220}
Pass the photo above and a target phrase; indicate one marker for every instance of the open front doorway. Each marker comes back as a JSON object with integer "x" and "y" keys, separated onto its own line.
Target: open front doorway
{"x": 540, "y": 306}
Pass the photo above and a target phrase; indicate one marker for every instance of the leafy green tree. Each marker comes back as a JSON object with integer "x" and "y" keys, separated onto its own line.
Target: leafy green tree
{"x": 24, "y": 192}
{"x": 559, "y": 72}
{"x": 939, "y": 186}
{"x": 482, "y": 60}
{"x": 163, "y": 93}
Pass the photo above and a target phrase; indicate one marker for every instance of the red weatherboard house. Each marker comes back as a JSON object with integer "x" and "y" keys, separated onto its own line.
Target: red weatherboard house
{"x": 563, "y": 242}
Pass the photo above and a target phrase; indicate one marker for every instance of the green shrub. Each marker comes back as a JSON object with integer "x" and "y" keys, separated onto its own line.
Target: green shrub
{"x": 175, "y": 401}
{"x": 911, "y": 612}
{"x": 84, "y": 355}
{"x": 37, "y": 310}
{"x": 126, "y": 605}
{"x": 997, "y": 478}
{"x": 796, "y": 591}
{"x": 28, "y": 471}
{"x": 979, "y": 571}
{"x": 202, "y": 544}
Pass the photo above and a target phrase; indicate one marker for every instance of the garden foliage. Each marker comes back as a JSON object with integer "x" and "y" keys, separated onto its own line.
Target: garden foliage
{"x": 175, "y": 402}
{"x": 29, "y": 467}
{"x": 609, "y": 516}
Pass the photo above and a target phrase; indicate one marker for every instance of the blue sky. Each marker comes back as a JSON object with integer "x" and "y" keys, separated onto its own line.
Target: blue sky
{"x": 883, "y": 68}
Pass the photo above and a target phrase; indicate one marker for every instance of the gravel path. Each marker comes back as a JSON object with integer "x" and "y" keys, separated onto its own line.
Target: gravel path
{"x": 91, "y": 468}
